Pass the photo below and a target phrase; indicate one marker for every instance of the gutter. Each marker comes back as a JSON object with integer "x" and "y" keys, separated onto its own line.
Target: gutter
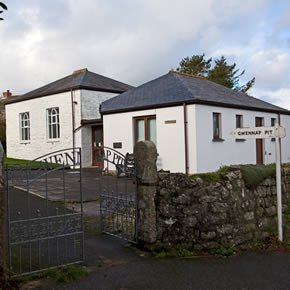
{"x": 185, "y": 138}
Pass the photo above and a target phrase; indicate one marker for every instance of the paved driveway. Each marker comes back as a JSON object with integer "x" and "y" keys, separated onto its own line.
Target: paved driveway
{"x": 64, "y": 186}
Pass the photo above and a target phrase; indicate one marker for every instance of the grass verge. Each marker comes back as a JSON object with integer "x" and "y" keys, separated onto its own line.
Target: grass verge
{"x": 22, "y": 163}
{"x": 59, "y": 275}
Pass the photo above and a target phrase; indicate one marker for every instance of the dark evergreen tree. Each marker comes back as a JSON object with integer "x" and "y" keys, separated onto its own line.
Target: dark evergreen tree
{"x": 196, "y": 65}
{"x": 3, "y": 6}
{"x": 221, "y": 72}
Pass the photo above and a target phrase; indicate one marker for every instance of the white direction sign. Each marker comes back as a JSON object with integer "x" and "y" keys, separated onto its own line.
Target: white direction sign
{"x": 260, "y": 132}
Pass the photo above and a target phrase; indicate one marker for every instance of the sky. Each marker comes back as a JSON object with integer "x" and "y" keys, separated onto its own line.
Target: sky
{"x": 135, "y": 41}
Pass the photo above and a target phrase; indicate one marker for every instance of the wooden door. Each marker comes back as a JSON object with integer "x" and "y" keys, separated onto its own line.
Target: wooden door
{"x": 97, "y": 143}
{"x": 259, "y": 143}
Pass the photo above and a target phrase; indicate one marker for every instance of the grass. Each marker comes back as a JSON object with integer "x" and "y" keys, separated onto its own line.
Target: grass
{"x": 225, "y": 250}
{"x": 271, "y": 244}
{"x": 176, "y": 253}
{"x": 22, "y": 163}
{"x": 60, "y": 275}
{"x": 212, "y": 176}
{"x": 253, "y": 175}
{"x": 67, "y": 274}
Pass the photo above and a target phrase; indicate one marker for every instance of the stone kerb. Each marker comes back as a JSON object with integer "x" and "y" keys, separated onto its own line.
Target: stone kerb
{"x": 145, "y": 155}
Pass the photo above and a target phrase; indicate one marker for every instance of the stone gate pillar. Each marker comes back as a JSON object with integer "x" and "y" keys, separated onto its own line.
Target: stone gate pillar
{"x": 145, "y": 154}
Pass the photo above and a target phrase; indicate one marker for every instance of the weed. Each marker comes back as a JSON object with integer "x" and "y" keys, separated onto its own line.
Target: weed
{"x": 213, "y": 176}
{"x": 257, "y": 245}
{"x": 67, "y": 274}
{"x": 60, "y": 275}
{"x": 225, "y": 250}
{"x": 253, "y": 175}
{"x": 176, "y": 253}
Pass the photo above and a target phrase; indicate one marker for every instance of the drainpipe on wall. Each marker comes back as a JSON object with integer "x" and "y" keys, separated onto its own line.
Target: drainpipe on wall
{"x": 73, "y": 123}
{"x": 185, "y": 137}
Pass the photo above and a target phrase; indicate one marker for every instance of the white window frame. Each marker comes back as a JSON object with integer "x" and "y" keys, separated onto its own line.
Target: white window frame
{"x": 53, "y": 124}
{"x": 24, "y": 126}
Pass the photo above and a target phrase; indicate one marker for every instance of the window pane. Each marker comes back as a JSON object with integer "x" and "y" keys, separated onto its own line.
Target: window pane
{"x": 53, "y": 123}
{"x": 140, "y": 130}
{"x": 49, "y": 132}
{"x": 216, "y": 125}
{"x": 273, "y": 121}
{"x": 24, "y": 126}
{"x": 54, "y": 131}
{"x": 152, "y": 130}
{"x": 239, "y": 121}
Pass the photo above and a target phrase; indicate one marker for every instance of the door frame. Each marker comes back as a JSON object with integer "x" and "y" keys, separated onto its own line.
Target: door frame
{"x": 260, "y": 158}
{"x": 99, "y": 164}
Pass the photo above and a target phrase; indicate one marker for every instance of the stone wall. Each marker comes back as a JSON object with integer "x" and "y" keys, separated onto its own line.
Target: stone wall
{"x": 194, "y": 214}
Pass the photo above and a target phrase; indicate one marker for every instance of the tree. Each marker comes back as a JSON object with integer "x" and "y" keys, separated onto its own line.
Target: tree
{"x": 196, "y": 65}
{"x": 3, "y": 6}
{"x": 221, "y": 72}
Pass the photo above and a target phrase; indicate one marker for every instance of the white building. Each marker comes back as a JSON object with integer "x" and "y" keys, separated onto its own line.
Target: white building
{"x": 60, "y": 115}
{"x": 190, "y": 120}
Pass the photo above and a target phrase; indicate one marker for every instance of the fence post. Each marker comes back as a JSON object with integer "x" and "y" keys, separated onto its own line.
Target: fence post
{"x": 145, "y": 155}
{"x": 2, "y": 221}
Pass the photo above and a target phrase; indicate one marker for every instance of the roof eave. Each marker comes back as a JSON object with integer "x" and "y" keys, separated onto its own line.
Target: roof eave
{"x": 23, "y": 98}
{"x": 91, "y": 122}
{"x": 200, "y": 102}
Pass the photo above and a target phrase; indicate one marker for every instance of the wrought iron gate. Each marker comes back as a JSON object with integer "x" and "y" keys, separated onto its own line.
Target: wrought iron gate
{"x": 44, "y": 230}
{"x": 118, "y": 201}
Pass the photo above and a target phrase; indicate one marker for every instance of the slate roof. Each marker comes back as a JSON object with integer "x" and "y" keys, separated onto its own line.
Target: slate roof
{"x": 81, "y": 79}
{"x": 176, "y": 88}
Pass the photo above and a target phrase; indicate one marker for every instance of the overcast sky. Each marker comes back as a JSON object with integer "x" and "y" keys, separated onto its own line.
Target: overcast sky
{"x": 135, "y": 41}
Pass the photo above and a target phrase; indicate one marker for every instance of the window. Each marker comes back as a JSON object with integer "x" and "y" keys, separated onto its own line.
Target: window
{"x": 273, "y": 121}
{"x": 53, "y": 123}
{"x": 24, "y": 126}
{"x": 239, "y": 121}
{"x": 239, "y": 124}
{"x": 217, "y": 127}
{"x": 145, "y": 128}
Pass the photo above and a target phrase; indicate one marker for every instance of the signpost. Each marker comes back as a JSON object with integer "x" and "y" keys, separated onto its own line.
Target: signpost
{"x": 262, "y": 133}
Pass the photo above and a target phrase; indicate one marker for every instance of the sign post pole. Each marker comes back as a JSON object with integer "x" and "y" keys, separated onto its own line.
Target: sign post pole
{"x": 278, "y": 188}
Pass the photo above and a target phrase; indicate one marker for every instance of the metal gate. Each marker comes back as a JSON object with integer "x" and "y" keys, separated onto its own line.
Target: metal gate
{"x": 118, "y": 202}
{"x": 45, "y": 224}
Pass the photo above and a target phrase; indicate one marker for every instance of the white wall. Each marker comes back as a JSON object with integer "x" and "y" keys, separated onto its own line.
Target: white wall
{"x": 285, "y": 142}
{"x": 191, "y": 133}
{"x": 86, "y": 107}
{"x": 170, "y": 137}
{"x": 204, "y": 155}
{"x": 39, "y": 144}
{"x": 211, "y": 155}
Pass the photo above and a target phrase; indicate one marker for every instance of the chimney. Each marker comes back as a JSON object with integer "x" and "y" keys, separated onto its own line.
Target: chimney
{"x": 80, "y": 71}
{"x": 7, "y": 94}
